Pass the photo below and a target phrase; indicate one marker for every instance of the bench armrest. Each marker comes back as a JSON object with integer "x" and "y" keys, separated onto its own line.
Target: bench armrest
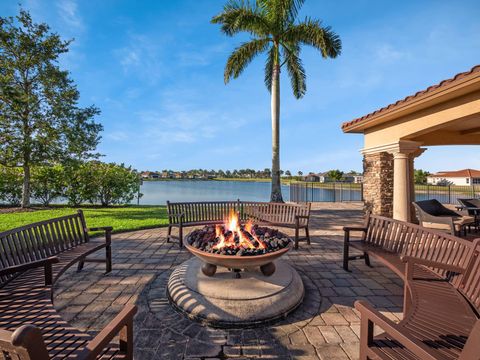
{"x": 116, "y": 327}
{"x": 411, "y": 260}
{"x": 371, "y": 317}
{"x": 349, "y": 229}
{"x": 46, "y": 263}
{"x": 302, "y": 216}
{"x": 101, "y": 228}
{"x": 108, "y": 232}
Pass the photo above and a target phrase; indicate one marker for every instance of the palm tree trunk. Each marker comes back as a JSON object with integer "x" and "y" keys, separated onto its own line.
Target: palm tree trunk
{"x": 276, "y": 194}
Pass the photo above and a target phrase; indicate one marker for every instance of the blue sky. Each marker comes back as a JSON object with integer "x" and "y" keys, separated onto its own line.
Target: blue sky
{"x": 155, "y": 69}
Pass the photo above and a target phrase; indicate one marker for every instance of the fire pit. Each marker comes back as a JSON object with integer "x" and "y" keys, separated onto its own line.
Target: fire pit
{"x": 253, "y": 299}
{"x": 236, "y": 246}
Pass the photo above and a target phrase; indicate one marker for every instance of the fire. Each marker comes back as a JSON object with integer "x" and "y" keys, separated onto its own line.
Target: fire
{"x": 232, "y": 234}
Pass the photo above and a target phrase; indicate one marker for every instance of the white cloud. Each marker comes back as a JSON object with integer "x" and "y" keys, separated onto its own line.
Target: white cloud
{"x": 386, "y": 53}
{"x": 117, "y": 136}
{"x": 68, "y": 12}
{"x": 141, "y": 57}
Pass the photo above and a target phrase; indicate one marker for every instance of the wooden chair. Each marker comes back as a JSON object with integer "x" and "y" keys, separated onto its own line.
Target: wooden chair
{"x": 32, "y": 258}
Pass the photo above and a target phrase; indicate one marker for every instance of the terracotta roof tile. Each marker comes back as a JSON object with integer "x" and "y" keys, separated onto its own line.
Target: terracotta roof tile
{"x": 459, "y": 76}
{"x": 458, "y": 173}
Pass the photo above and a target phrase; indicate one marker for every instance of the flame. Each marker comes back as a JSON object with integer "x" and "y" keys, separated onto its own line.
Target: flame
{"x": 234, "y": 230}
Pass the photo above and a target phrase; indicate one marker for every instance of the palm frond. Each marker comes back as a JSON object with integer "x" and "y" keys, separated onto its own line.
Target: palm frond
{"x": 281, "y": 12}
{"x": 311, "y": 32}
{"x": 269, "y": 68}
{"x": 242, "y": 56}
{"x": 238, "y": 16}
{"x": 295, "y": 69}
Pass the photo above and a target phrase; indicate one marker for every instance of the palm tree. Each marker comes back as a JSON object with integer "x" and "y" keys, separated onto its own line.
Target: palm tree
{"x": 273, "y": 27}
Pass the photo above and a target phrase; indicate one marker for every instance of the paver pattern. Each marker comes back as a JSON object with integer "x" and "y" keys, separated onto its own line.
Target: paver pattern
{"x": 325, "y": 326}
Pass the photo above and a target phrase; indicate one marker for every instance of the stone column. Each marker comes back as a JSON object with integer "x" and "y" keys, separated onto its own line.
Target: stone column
{"x": 378, "y": 183}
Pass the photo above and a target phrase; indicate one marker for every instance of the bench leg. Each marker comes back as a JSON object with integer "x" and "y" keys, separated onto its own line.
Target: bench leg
{"x": 180, "y": 236}
{"x": 80, "y": 265}
{"x": 307, "y": 234}
{"x": 169, "y": 233}
{"x": 345, "y": 256}
{"x": 126, "y": 341}
{"x": 366, "y": 337}
{"x": 297, "y": 230}
{"x": 367, "y": 259}
{"x": 108, "y": 253}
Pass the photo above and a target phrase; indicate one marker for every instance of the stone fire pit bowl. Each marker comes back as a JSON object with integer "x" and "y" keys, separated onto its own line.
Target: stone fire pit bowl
{"x": 237, "y": 263}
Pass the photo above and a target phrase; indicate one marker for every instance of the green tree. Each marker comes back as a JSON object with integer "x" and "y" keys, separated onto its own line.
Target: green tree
{"x": 335, "y": 175}
{"x": 288, "y": 173}
{"x": 300, "y": 173}
{"x": 47, "y": 183}
{"x": 10, "y": 186}
{"x": 40, "y": 120}
{"x": 420, "y": 176}
{"x": 275, "y": 30}
{"x": 110, "y": 184}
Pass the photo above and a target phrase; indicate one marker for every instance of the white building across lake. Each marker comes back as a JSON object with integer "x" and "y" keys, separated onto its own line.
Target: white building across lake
{"x": 459, "y": 177}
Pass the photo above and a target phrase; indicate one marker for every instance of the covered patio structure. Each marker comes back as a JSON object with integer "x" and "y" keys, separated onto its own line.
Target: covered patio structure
{"x": 444, "y": 114}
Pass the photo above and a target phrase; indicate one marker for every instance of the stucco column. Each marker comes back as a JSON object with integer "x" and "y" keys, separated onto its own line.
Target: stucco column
{"x": 401, "y": 186}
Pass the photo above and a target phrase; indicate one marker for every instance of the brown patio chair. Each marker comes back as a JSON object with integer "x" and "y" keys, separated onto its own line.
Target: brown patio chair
{"x": 432, "y": 214}
{"x": 473, "y": 209}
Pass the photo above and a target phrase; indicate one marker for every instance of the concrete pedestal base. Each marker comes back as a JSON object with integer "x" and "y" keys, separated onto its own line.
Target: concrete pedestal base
{"x": 224, "y": 301}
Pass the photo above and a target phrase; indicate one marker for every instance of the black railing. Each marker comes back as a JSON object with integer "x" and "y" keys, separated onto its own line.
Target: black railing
{"x": 446, "y": 194}
{"x": 325, "y": 192}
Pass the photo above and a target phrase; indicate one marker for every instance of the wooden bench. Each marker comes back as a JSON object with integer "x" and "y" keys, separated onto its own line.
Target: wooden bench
{"x": 441, "y": 274}
{"x": 185, "y": 214}
{"x": 296, "y": 216}
{"x": 32, "y": 258}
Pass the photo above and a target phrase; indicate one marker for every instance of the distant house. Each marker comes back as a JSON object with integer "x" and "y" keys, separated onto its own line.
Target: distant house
{"x": 149, "y": 175}
{"x": 459, "y": 177}
{"x": 320, "y": 177}
{"x": 353, "y": 178}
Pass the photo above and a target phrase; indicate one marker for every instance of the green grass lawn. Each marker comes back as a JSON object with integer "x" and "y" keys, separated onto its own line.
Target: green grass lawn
{"x": 122, "y": 218}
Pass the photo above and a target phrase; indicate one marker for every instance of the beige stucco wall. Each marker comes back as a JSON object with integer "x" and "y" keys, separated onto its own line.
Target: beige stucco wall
{"x": 431, "y": 125}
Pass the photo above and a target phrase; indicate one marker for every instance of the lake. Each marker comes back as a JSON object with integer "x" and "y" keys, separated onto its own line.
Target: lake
{"x": 158, "y": 192}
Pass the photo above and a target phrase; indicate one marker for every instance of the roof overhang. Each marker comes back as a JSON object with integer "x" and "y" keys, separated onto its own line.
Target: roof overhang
{"x": 461, "y": 84}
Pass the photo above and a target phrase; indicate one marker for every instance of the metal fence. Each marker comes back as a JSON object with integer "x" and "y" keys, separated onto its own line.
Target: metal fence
{"x": 325, "y": 192}
{"x": 446, "y": 194}
{"x": 340, "y": 191}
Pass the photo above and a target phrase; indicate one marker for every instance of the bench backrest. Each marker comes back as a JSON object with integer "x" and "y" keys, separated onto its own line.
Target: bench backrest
{"x": 409, "y": 239}
{"x": 278, "y": 213}
{"x": 197, "y": 212}
{"x": 40, "y": 240}
{"x": 218, "y": 211}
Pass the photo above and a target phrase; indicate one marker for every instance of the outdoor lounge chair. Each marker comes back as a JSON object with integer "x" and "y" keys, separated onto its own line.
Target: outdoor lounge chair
{"x": 473, "y": 208}
{"x": 432, "y": 214}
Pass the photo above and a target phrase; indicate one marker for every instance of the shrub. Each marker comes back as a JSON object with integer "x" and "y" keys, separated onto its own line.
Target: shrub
{"x": 111, "y": 184}
{"x": 10, "y": 185}
{"x": 48, "y": 183}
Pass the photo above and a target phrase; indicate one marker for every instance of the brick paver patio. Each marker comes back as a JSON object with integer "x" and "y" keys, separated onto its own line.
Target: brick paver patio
{"x": 325, "y": 326}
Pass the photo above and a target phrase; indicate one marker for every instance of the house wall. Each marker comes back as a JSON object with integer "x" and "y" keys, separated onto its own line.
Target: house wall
{"x": 434, "y": 180}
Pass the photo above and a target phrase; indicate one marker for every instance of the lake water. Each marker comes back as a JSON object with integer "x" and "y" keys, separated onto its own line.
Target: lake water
{"x": 158, "y": 192}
